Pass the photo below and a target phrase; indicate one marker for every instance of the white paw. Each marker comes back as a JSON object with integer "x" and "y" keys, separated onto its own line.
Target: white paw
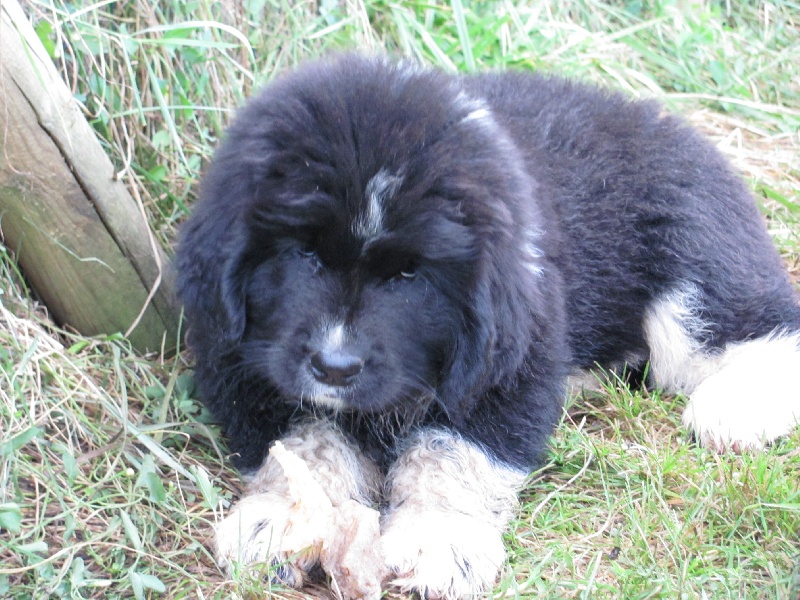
{"x": 265, "y": 528}
{"x": 752, "y": 400}
{"x": 442, "y": 554}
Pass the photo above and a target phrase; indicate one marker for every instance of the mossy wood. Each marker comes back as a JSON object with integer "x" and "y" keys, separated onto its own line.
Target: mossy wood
{"x": 81, "y": 240}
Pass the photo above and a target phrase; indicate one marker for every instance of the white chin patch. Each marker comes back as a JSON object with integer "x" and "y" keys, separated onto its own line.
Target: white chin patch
{"x": 329, "y": 401}
{"x": 753, "y": 399}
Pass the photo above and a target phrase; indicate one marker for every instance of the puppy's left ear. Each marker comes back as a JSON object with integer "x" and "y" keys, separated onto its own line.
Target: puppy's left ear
{"x": 471, "y": 363}
{"x": 492, "y": 344}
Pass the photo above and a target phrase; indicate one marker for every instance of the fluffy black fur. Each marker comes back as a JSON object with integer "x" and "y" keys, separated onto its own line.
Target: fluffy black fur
{"x": 526, "y": 224}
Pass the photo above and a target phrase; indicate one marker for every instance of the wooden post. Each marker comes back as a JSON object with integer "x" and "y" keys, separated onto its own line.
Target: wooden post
{"x": 82, "y": 242}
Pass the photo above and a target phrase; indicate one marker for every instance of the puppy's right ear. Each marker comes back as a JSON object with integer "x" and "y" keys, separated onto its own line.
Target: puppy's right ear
{"x": 211, "y": 274}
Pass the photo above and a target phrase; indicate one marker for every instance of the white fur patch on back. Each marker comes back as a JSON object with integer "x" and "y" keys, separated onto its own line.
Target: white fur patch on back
{"x": 449, "y": 505}
{"x": 478, "y": 113}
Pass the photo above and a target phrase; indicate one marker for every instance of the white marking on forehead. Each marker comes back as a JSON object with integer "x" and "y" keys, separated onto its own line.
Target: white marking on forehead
{"x": 378, "y": 190}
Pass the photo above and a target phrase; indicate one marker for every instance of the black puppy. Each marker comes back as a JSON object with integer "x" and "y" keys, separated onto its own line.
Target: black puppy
{"x": 394, "y": 270}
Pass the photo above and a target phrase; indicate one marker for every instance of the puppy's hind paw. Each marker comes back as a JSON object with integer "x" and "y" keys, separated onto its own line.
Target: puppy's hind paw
{"x": 752, "y": 400}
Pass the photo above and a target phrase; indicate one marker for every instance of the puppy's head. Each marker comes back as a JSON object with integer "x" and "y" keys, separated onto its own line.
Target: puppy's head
{"x": 361, "y": 241}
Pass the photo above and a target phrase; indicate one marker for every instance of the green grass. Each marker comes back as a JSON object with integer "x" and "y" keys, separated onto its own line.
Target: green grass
{"x": 110, "y": 473}
{"x": 628, "y": 509}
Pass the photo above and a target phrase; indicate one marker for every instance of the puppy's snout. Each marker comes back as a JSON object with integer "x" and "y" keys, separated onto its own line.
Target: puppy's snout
{"x": 335, "y": 367}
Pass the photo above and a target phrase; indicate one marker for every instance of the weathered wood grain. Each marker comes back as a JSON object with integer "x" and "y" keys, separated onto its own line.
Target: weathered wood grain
{"x": 82, "y": 242}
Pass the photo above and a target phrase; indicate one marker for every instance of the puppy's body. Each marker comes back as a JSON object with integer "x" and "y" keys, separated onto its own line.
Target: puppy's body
{"x": 419, "y": 260}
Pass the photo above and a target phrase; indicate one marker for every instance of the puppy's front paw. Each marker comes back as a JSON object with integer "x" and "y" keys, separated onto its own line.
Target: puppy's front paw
{"x": 267, "y": 528}
{"x": 443, "y": 555}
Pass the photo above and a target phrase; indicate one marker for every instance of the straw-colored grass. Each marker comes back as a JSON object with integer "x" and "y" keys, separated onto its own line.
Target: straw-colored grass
{"x": 111, "y": 474}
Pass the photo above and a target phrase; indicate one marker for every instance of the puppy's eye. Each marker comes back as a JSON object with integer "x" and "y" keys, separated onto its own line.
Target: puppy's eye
{"x": 407, "y": 272}
{"x": 311, "y": 256}
{"x": 306, "y": 252}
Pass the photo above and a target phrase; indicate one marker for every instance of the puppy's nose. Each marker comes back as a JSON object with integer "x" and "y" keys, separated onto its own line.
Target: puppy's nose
{"x": 335, "y": 367}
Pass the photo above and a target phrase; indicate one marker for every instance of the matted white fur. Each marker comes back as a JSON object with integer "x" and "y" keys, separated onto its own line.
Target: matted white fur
{"x": 449, "y": 505}
{"x": 742, "y": 397}
{"x": 253, "y": 532}
{"x": 257, "y": 525}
